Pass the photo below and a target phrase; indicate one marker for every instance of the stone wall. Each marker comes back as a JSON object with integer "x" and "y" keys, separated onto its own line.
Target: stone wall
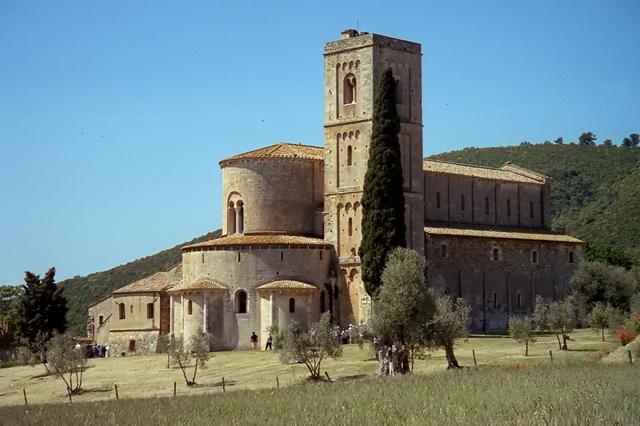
{"x": 100, "y": 320}
{"x": 137, "y": 316}
{"x": 142, "y": 341}
{"x": 497, "y": 289}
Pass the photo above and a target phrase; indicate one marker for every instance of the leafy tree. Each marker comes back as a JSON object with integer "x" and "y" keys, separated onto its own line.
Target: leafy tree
{"x": 448, "y": 324}
{"x": 608, "y": 142}
{"x": 9, "y": 296}
{"x": 520, "y": 329}
{"x": 311, "y": 347}
{"x": 66, "y": 362}
{"x": 195, "y": 353}
{"x": 598, "y": 282}
{"x": 607, "y": 254}
{"x": 404, "y": 305}
{"x": 632, "y": 141}
{"x": 41, "y": 309}
{"x": 602, "y": 316}
{"x": 383, "y": 226}
{"x": 587, "y": 138}
{"x": 559, "y": 141}
{"x": 557, "y": 317}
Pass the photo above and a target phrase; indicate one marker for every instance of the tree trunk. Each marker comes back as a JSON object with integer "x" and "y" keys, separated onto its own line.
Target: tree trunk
{"x": 564, "y": 342}
{"x": 526, "y": 348}
{"x": 559, "y": 343}
{"x": 183, "y": 372}
{"x": 452, "y": 362}
{"x": 603, "y": 334}
{"x": 195, "y": 371}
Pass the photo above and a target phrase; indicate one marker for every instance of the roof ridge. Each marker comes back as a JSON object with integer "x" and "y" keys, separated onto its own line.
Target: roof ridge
{"x": 464, "y": 164}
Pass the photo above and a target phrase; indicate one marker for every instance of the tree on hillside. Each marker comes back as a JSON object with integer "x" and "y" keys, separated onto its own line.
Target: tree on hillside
{"x": 607, "y": 254}
{"x": 632, "y": 141}
{"x": 598, "y": 282}
{"x": 449, "y": 323}
{"x": 601, "y": 317}
{"x": 557, "y": 317}
{"x": 311, "y": 347}
{"x": 41, "y": 310}
{"x": 608, "y": 142}
{"x": 9, "y": 296}
{"x": 404, "y": 305}
{"x": 587, "y": 138}
{"x": 195, "y": 352}
{"x": 383, "y": 226}
{"x": 559, "y": 141}
{"x": 66, "y": 362}
{"x": 520, "y": 329}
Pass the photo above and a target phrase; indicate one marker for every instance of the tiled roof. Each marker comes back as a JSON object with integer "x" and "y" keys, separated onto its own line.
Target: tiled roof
{"x": 281, "y": 150}
{"x": 260, "y": 239}
{"x": 201, "y": 284}
{"x": 159, "y": 281}
{"x": 287, "y": 285}
{"x": 512, "y": 234}
{"x": 508, "y": 172}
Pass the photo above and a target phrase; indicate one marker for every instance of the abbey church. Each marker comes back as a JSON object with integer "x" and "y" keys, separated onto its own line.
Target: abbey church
{"x": 291, "y": 227}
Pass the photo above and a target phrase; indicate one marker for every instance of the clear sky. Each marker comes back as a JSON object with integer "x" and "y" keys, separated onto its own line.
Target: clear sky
{"x": 114, "y": 114}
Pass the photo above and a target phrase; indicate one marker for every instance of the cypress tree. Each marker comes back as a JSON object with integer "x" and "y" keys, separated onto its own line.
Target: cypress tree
{"x": 383, "y": 226}
{"x": 41, "y": 309}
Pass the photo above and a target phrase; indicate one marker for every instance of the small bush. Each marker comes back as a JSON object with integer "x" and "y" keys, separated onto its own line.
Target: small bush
{"x": 626, "y": 336}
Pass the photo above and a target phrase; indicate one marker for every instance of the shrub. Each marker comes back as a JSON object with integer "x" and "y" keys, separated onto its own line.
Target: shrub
{"x": 626, "y": 335}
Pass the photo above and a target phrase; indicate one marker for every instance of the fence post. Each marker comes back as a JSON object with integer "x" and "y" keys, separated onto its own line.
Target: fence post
{"x": 224, "y": 389}
{"x": 277, "y": 382}
{"x": 116, "y": 388}
{"x": 630, "y": 358}
{"x": 475, "y": 362}
{"x": 24, "y": 392}
{"x": 327, "y": 374}
{"x": 174, "y": 389}
{"x": 551, "y": 356}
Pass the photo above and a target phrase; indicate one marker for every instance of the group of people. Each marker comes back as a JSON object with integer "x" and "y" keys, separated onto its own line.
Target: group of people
{"x": 392, "y": 359}
{"x": 93, "y": 351}
{"x": 254, "y": 342}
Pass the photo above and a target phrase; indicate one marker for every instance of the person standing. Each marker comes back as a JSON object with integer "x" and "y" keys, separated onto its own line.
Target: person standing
{"x": 254, "y": 341}
{"x": 269, "y": 347}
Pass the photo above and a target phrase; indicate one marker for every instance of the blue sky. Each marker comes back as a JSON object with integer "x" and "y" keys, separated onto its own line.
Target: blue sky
{"x": 114, "y": 114}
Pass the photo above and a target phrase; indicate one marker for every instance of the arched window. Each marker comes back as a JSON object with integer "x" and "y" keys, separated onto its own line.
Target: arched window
{"x": 323, "y": 306}
{"x": 349, "y": 89}
{"x": 534, "y": 257}
{"x": 519, "y": 299}
{"x": 398, "y": 92}
{"x": 571, "y": 257}
{"x": 462, "y": 202}
{"x": 121, "y": 311}
{"x": 437, "y": 200}
{"x": 443, "y": 250}
{"x": 292, "y": 305}
{"x": 149, "y": 310}
{"x": 240, "y": 217}
{"x": 447, "y": 292}
{"x": 495, "y": 254}
{"x": 190, "y": 307}
{"x": 100, "y": 320}
{"x": 349, "y": 155}
{"x": 231, "y": 219}
{"x": 350, "y": 226}
{"x": 486, "y": 205}
{"x": 508, "y": 207}
{"x": 281, "y": 256}
{"x": 241, "y": 302}
{"x": 531, "y": 209}
{"x": 496, "y": 299}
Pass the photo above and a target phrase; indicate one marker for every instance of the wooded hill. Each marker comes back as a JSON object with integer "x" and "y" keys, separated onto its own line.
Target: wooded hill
{"x": 595, "y": 196}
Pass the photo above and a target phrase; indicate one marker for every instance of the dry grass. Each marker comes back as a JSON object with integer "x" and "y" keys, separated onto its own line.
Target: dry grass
{"x": 147, "y": 376}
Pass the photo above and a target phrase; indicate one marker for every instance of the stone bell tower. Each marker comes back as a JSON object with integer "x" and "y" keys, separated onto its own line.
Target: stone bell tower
{"x": 352, "y": 67}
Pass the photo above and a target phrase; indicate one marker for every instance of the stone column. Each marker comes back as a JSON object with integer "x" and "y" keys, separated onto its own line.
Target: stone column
{"x": 205, "y": 309}
{"x": 272, "y": 306}
{"x": 171, "y": 314}
{"x": 182, "y": 315}
{"x": 309, "y": 313}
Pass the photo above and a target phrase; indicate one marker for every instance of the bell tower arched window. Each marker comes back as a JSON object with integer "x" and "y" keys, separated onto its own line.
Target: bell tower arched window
{"x": 241, "y": 302}
{"x": 292, "y": 305}
{"x": 349, "y": 155}
{"x": 231, "y": 219}
{"x": 349, "y": 89}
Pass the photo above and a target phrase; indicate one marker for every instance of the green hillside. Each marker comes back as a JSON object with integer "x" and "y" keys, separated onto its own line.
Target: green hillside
{"x": 83, "y": 291}
{"x": 595, "y": 189}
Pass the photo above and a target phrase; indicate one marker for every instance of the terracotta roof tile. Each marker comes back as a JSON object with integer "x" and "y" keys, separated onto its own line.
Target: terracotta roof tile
{"x": 280, "y": 150}
{"x": 287, "y": 285}
{"x": 201, "y": 284}
{"x": 260, "y": 239}
{"x": 159, "y": 281}
{"x": 508, "y": 173}
{"x": 513, "y": 234}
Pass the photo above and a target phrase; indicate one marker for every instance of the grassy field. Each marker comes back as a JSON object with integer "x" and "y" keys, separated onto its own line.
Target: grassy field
{"x": 147, "y": 376}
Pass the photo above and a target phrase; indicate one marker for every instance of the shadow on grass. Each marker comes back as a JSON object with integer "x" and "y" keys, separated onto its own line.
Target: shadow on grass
{"x": 217, "y": 384}
{"x": 101, "y": 389}
{"x": 581, "y": 350}
{"x": 349, "y": 378}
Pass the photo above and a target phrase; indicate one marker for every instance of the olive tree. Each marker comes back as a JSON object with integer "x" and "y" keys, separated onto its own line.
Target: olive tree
{"x": 66, "y": 362}
{"x": 404, "y": 305}
{"x": 312, "y": 346}
{"x": 195, "y": 353}
{"x": 520, "y": 329}
{"x": 602, "y": 317}
{"x": 557, "y": 317}
{"x": 449, "y": 323}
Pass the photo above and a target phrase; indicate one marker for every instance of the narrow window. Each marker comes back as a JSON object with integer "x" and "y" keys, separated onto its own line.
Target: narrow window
{"x": 496, "y": 299}
{"x": 131, "y": 308}
{"x": 508, "y": 207}
{"x": 323, "y": 307}
{"x": 398, "y": 92}
{"x": 238, "y": 256}
{"x": 132, "y": 345}
{"x": 437, "y": 200}
{"x": 519, "y": 300}
{"x": 292, "y": 305}
{"x": 231, "y": 219}
{"x": 531, "y": 209}
{"x": 462, "y": 202}
{"x": 320, "y": 254}
{"x": 190, "y": 307}
{"x": 534, "y": 257}
{"x": 350, "y": 227}
{"x": 349, "y": 155}
{"x": 486, "y": 205}
{"x": 349, "y": 89}
{"x": 100, "y": 320}
{"x": 496, "y": 254}
{"x": 571, "y": 257}
{"x": 240, "y": 224}
{"x": 202, "y": 258}
{"x": 241, "y": 302}
{"x": 281, "y": 256}
{"x": 447, "y": 292}
{"x": 121, "y": 311}
{"x": 149, "y": 310}
{"x": 443, "y": 250}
